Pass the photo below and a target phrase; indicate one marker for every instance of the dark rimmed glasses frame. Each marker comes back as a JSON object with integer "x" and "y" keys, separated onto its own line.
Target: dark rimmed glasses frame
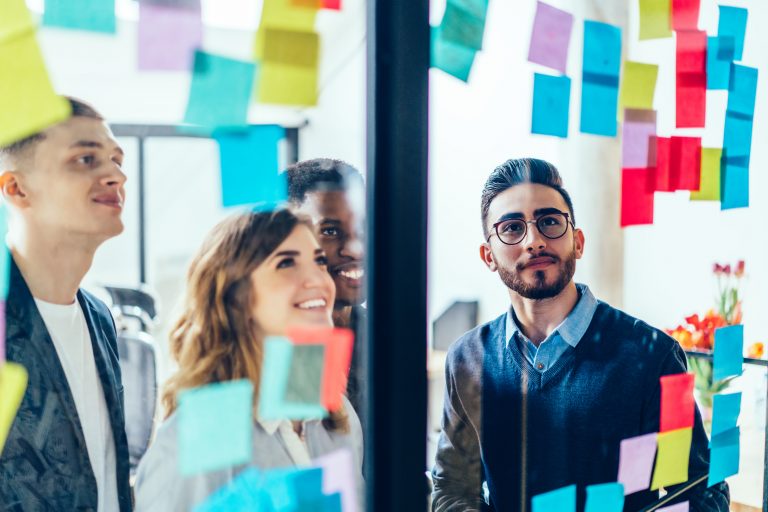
{"x": 550, "y": 231}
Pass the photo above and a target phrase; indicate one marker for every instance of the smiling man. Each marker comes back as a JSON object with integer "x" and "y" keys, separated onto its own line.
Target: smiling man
{"x": 67, "y": 447}
{"x": 541, "y": 397}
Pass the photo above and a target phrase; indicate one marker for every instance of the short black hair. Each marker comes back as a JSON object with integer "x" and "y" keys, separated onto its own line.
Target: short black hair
{"x": 324, "y": 174}
{"x": 516, "y": 172}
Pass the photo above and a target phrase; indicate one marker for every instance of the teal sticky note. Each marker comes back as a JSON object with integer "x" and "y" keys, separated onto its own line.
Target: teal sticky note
{"x": 220, "y": 92}
{"x": 737, "y": 139}
{"x": 290, "y": 489}
{"x": 90, "y": 15}
{"x": 718, "y": 67}
{"x": 725, "y": 412}
{"x": 5, "y": 255}
{"x": 551, "y": 102}
{"x": 724, "y": 456}
{"x": 734, "y": 186}
{"x": 454, "y": 59}
{"x": 600, "y": 78}
{"x": 602, "y": 49}
{"x": 733, "y": 23}
{"x": 215, "y": 427}
{"x": 599, "y": 107}
{"x": 243, "y": 494}
{"x": 742, "y": 88}
{"x": 461, "y": 27}
{"x": 729, "y": 351}
{"x": 605, "y": 498}
{"x": 559, "y": 500}
{"x": 249, "y": 166}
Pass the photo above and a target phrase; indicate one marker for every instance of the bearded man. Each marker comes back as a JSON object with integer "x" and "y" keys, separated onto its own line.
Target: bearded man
{"x": 541, "y": 397}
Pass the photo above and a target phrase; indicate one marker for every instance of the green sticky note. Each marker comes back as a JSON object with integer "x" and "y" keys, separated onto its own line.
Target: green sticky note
{"x": 454, "y": 59}
{"x": 638, "y": 86}
{"x": 13, "y": 383}
{"x": 14, "y": 19}
{"x": 655, "y": 19}
{"x": 28, "y": 103}
{"x": 215, "y": 426}
{"x": 91, "y": 15}
{"x": 305, "y": 374}
{"x": 709, "y": 190}
{"x": 672, "y": 458}
{"x": 461, "y": 27}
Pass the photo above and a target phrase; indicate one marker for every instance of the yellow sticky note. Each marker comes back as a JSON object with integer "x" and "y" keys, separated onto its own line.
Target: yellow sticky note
{"x": 709, "y": 190}
{"x": 284, "y": 84}
{"x": 291, "y": 47}
{"x": 638, "y": 86}
{"x": 28, "y": 103}
{"x": 13, "y": 383}
{"x": 655, "y": 19}
{"x": 672, "y": 458}
{"x": 285, "y": 14}
{"x": 14, "y": 19}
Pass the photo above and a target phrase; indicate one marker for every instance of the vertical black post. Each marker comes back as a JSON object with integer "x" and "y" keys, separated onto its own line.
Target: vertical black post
{"x": 398, "y": 65}
{"x": 142, "y": 215}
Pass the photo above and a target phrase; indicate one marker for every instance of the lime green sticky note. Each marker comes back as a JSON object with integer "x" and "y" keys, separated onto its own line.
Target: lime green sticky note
{"x": 287, "y": 15}
{"x": 13, "y": 383}
{"x": 655, "y": 19}
{"x": 709, "y": 190}
{"x": 638, "y": 86}
{"x": 28, "y": 103}
{"x": 14, "y": 19}
{"x": 672, "y": 458}
{"x": 289, "y": 66}
{"x": 294, "y": 47}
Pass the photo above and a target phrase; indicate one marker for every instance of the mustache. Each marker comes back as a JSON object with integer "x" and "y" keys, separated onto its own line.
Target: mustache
{"x": 543, "y": 254}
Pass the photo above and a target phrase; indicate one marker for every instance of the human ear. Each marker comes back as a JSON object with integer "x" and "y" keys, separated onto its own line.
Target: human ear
{"x": 487, "y": 256}
{"x": 578, "y": 242}
{"x": 12, "y": 189}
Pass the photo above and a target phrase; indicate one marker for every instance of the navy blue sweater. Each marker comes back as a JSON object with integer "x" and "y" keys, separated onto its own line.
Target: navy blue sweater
{"x": 525, "y": 433}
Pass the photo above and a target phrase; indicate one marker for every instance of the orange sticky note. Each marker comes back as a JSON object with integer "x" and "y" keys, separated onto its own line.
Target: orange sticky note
{"x": 677, "y": 405}
{"x": 13, "y": 383}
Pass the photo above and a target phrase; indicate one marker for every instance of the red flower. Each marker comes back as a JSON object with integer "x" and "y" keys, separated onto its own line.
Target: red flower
{"x": 739, "y": 269}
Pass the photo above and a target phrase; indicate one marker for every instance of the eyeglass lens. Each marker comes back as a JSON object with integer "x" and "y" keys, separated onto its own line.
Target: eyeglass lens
{"x": 551, "y": 226}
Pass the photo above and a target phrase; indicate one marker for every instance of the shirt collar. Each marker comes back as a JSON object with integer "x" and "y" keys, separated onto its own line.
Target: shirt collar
{"x": 270, "y": 426}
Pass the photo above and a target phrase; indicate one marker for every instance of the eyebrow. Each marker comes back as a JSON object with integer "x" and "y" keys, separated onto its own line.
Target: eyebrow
{"x": 536, "y": 214}
{"x": 293, "y": 253}
{"x": 94, "y": 144}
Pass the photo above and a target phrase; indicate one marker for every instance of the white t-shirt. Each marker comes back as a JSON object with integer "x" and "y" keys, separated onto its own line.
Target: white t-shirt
{"x": 69, "y": 332}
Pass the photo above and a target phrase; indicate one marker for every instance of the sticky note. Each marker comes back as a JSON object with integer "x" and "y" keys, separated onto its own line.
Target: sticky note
{"x": 723, "y": 456}
{"x": 284, "y": 14}
{"x": 215, "y": 426}
{"x": 249, "y": 166}
{"x": 243, "y": 493}
{"x": 5, "y": 255}
{"x": 90, "y": 15}
{"x": 305, "y": 374}
{"x": 638, "y": 139}
{"x": 13, "y": 383}
{"x": 340, "y": 476}
{"x": 294, "y": 489}
{"x": 677, "y": 403}
{"x": 168, "y": 37}
{"x": 636, "y": 462}
{"x": 15, "y": 19}
{"x": 638, "y": 85}
{"x": 718, "y": 68}
{"x": 291, "y": 47}
{"x": 709, "y": 187}
{"x": 737, "y": 139}
{"x": 685, "y": 163}
{"x": 220, "y": 92}
{"x": 677, "y": 507}
{"x": 741, "y": 90}
{"x": 636, "y": 197}
{"x": 602, "y": 49}
{"x": 550, "y": 37}
{"x": 729, "y": 352}
{"x": 734, "y": 188}
{"x": 600, "y": 78}
{"x": 283, "y": 81}
{"x": 462, "y": 27}
{"x": 733, "y": 23}
{"x": 691, "y": 79}
{"x": 655, "y": 19}
{"x": 685, "y": 14}
{"x": 551, "y": 101}
{"x": 559, "y": 500}
{"x": 454, "y": 59}
{"x": 725, "y": 412}
{"x": 663, "y": 155}
{"x": 605, "y": 498}
{"x": 672, "y": 460}
{"x": 183, "y": 4}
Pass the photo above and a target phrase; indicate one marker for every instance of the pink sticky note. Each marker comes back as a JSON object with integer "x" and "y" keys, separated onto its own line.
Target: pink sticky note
{"x": 685, "y": 163}
{"x": 638, "y": 144}
{"x": 677, "y": 403}
{"x": 636, "y": 197}
{"x": 168, "y": 36}
{"x": 550, "y": 37}
{"x": 340, "y": 475}
{"x": 679, "y": 507}
{"x": 636, "y": 462}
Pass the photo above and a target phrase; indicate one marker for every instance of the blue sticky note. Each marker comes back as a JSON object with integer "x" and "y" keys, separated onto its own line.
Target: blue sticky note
{"x": 90, "y": 15}
{"x": 600, "y": 78}
{"x": 249, "y": 166}
{"x": 742, "y": 88}
{"x": 605, "y": 498}
{"x": 5, "y": 255}
{"x": 737, "y": 139}
{"x": 734, "y": 186}
{"x": 599, "y": 106}
{"x": 725, "y": 412}
{"x": 724, "y": 456}
{"x": 290, "y": 489}
{"x": 551, "y": 101}
{"x": 454, "y": 59}
{"x": 559, "y": 500}
{"x": 729, "y": 350}
{"x": 718, "y": 68}
{"x": 602, "y": 49}
{"x": 215, "y": 426}
{"x": 733, "y": 23}
{"x": 243, "y": 494}
{"x": 220, "y": 92}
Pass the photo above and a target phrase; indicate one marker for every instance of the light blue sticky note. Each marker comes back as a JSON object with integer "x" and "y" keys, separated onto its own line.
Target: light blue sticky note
{"x": 243, "y": 494}
{"x": 599, "y": 106}
{"x": 454, "y": 59}
{"x": 290, "y": 489}
{"x": 90, "y": 15}
{"x": 551, "y": 102}
{"x": 741, "y": 90}
{"x": 718, "y": 68}
{"x": 215, "y": 427}
{"x": 733, "y": 23}
{"x": 725, "y": 412}
{"x": 5, "y": 255}
{"x": 605, "y": 498}
{"x": 729, "y": 351}
{"x": 737, "y": 139}
{"x": 220, "y": 92}
{"x": 602, "y": 49}
{"x": 249, "y": 166}
{"x": 724, "y": 456}
{"x": 600, "y": 78}
{"x": 734, "y": 186}
{"x": 559, "y": 500}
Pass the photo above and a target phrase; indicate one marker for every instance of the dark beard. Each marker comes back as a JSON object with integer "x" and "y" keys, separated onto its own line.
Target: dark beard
{"x": 540, "y": 290}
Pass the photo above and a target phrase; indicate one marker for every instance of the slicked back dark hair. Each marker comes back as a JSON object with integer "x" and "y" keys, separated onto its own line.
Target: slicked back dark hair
{"x": 517, "y": 172}
{"x": 324, "y": 174}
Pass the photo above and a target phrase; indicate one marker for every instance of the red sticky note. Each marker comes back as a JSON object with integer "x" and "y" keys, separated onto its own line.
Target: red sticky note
{"x": 663, "y": 181}
{"x": 685, "y": 14}
{"x": 338, "y": 356}
{"x": 677, "y": 403}
{"x": 318, "y": 4}
{"x": 636, "y": 197}
{"x": 685, "y": 163}
{"x": 332, "y": 4}
{"x": 691, "y": 73}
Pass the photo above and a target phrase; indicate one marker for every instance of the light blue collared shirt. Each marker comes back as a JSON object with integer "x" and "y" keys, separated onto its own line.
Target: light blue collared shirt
{"x": 566, "y": 335}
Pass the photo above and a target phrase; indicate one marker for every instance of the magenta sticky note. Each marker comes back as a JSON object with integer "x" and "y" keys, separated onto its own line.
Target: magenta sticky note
{"x": 638, "y": 143}
{"x": 550, "y": 37}
{"x": 636, "y": 462}
{"x": 168, "y": 36}
{"x": 340, "y": 475}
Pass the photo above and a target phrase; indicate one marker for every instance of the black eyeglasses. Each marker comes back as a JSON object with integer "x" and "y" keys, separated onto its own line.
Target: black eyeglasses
{"x": 513, "y": 231}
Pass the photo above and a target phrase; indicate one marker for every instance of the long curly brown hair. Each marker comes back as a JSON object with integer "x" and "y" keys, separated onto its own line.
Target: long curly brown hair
{"x": 216, "y": 338}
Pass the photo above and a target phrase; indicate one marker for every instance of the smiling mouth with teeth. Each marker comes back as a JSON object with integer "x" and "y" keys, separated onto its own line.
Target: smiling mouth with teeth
{"x": 312, "y": 304}
{"x": 354, "y": 274}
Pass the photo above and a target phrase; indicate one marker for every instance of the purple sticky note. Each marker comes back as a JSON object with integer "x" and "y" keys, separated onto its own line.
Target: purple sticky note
{"x": 638, "y": 144}
{"x": 169, "y": 36}
{"x": 679, "y": 507}
{"x": 550, "y": 37}
{"x": 636, "y": 462}
{"x": 339, "y": 475}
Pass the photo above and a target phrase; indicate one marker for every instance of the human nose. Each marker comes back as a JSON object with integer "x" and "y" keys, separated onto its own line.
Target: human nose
{"x": 352, "y": 247}
{"x": 533, "y": 239}
{"x": 315, "y": 277}
{"x": 114, "y": 176}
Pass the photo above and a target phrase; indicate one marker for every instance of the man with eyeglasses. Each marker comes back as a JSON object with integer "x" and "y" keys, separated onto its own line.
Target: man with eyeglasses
{"x": 541, "y": 397}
